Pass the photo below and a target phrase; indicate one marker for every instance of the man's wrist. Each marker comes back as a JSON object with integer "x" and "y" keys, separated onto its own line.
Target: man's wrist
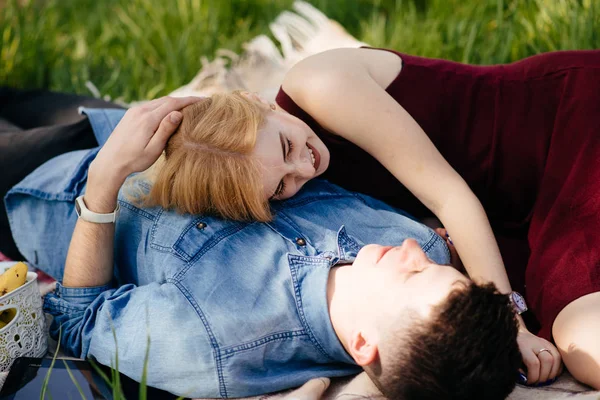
{"x": 102, "y": 192}
{"x": 99, "y": 201}
{"x": 108, "y": 176}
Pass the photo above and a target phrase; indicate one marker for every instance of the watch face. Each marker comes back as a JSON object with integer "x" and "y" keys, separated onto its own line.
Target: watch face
{"x": 519, "y": 301}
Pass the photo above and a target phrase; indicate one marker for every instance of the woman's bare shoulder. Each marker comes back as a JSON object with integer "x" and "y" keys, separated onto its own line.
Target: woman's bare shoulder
{"x": 381, "y": 65}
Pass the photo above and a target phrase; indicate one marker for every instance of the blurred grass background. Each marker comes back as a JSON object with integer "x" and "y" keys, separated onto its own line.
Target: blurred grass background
{"x": 139, "y": 49}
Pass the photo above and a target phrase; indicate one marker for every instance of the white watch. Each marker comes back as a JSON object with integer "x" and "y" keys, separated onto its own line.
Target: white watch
{"x": 85, "y": 214}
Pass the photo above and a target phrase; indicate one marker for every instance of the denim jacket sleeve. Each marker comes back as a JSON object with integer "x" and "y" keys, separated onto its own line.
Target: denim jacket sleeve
{"x": 105, "y": 323}
{"x": 69, "y": 307}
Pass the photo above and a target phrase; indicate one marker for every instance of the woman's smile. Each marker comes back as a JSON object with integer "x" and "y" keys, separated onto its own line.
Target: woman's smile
{"x": 315, "y": 156}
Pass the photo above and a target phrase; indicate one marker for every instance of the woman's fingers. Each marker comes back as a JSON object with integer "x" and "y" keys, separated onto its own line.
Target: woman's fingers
{"x": 533, "y": 367}
{"x": 557, "y": 365}
{"x": 539, "y": 356}
{"x": 542, "y": 367}
{"x": 546, "y": 363}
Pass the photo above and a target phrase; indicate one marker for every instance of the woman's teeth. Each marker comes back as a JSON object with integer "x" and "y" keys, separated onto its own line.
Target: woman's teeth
{"x": 312, "y": 156}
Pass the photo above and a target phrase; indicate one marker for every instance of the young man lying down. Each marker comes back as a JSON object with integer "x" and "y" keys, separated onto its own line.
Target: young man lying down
{"x": 336, "y": 283}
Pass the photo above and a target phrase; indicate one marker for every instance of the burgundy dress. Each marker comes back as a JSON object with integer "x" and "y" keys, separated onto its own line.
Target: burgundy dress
{"x": 526, "y": 138}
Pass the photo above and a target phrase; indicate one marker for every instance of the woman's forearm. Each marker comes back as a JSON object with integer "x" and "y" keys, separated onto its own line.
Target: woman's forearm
{"x": 475, "y": 243}
{"x": 466, "y": 221}
{"x": 90, "y": 257}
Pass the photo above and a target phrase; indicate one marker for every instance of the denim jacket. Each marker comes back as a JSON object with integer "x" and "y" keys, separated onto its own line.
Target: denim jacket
{"x": 229, "y": 309}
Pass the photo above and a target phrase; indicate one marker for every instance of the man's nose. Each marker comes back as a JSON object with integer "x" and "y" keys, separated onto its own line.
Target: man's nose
{"x": 413, "y": 255}
{"x": 410, "y": 244}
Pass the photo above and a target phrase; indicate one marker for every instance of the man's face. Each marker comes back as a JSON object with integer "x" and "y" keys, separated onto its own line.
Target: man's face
{"x": 384, "y": 281}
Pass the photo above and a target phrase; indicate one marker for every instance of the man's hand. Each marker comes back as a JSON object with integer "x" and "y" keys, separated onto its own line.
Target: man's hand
{"x": 135, "y": 144}
{"x": 542, "y": 366}
{"x": 138, "y": 140}
{"x": 311, "y": 390}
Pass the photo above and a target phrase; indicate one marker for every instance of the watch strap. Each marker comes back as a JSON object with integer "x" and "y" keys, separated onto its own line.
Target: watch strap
{"x": 98, "y": 218}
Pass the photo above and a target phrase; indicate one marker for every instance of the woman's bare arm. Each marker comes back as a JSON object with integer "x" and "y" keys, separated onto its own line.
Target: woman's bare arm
{"x": 338, "y": 89}
{"x": 342, "y": 92}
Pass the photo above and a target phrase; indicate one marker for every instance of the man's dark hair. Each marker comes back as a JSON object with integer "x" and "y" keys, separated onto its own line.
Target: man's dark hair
{"x": 466, "y": 349}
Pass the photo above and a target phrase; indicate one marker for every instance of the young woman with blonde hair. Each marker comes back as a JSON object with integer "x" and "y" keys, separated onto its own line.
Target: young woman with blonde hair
{"x": 210, "y": 164}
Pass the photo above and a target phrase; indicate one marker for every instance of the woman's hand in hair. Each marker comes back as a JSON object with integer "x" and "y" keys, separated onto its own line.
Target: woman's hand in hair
{"x": 138, "y": 140}
{"x": 542, "y": 366}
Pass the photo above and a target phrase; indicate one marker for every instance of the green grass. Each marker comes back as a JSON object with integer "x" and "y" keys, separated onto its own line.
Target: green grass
{"x": 138, "y": 49}
{"x": 114, "y": 382}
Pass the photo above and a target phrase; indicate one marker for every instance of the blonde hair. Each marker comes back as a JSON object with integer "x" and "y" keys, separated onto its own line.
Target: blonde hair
{"x": 207, "y": 166}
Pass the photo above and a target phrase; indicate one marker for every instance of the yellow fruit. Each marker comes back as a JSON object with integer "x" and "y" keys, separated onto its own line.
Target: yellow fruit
{"x": 7, "y": 315}
{"x": 12, "y": 278}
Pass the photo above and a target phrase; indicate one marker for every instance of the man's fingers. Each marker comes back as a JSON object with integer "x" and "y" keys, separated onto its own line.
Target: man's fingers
{"x": 153, "y": 104}
{"x": 174, "y": 103}
{"x": 167, "y": 127}
{"x": 161, "y": 107}
{"x": 311, "y": 390}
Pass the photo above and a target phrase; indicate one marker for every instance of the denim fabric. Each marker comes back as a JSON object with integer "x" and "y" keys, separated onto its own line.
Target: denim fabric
{"x": 230, "y": 309}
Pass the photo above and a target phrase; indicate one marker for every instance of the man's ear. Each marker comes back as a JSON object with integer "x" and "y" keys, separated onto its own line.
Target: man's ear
{"x": 363, "y": 348}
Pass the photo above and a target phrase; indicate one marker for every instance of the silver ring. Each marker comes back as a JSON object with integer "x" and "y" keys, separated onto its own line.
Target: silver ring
{"x": 542, "y": 350}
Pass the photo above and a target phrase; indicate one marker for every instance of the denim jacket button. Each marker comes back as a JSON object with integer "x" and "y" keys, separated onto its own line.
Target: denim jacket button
{"x": 300, "y": 242}
{"x": 200, "y": 225}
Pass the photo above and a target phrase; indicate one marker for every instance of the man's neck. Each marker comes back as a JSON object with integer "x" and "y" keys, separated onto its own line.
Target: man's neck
{"x": 336, "y": 309}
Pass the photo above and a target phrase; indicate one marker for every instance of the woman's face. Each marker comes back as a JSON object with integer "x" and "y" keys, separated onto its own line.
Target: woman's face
{"x": 290, "y": 153}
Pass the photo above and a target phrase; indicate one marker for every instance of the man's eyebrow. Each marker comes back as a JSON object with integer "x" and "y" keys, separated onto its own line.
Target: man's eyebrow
{"x": 282, "y": 140}
{"x": 414, "y": 273}
{"x": 411, "y": 274}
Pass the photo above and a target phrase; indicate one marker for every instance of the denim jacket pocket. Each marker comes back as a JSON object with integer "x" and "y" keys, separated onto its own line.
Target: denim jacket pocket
{"x": 186, "y": 236}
